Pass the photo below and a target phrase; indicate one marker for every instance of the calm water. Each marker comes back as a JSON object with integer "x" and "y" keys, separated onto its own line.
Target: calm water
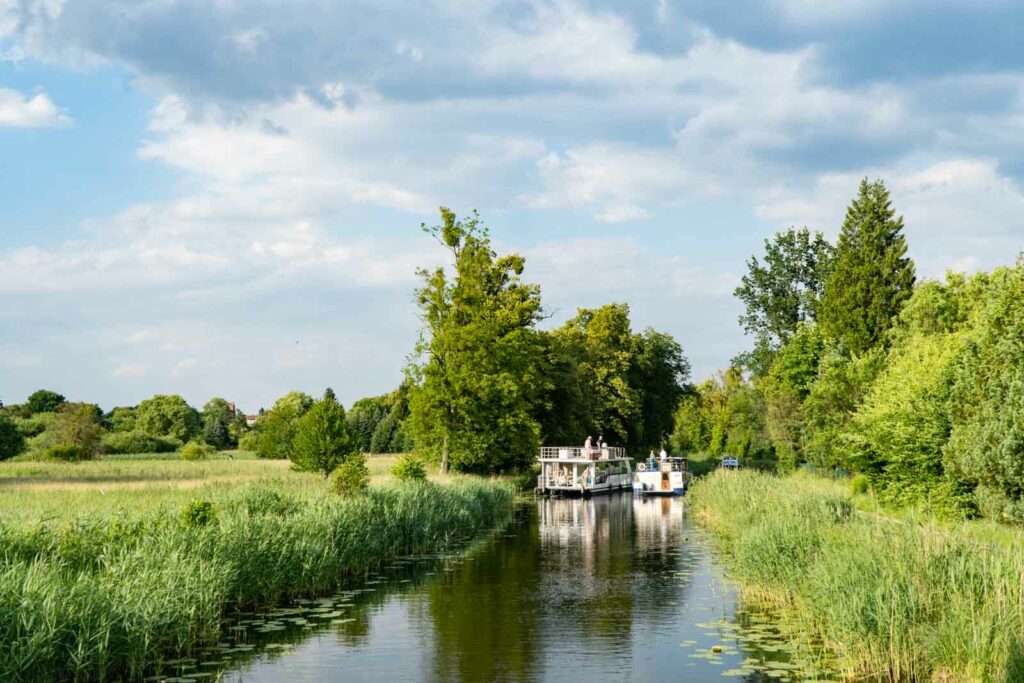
{"x": 608, "y": 589}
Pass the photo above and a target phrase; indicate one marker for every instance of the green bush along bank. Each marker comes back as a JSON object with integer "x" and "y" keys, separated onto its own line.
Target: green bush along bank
{"x": 101, "y": 598}
{"x": 894, "y": 601}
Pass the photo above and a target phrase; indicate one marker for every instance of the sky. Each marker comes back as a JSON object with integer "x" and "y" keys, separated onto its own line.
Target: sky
{"x": 224, "y": 198}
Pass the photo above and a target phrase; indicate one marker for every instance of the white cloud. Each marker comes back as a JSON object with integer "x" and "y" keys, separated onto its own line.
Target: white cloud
{"x": 38, "y": 111}
{"x": 129, "y": 371}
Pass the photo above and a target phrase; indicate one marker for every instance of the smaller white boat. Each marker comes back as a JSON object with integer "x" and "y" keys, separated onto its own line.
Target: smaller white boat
{"x": 666, "y": 477}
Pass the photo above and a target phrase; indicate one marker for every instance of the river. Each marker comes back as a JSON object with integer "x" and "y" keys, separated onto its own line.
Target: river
{"x": 613, "y": 588}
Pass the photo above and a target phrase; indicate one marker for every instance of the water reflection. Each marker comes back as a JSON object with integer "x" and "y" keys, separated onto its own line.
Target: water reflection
{"x": 612, "y": 588}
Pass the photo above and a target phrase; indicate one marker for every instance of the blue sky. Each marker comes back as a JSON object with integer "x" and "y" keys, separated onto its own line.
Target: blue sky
{"x": 223, "y": 198}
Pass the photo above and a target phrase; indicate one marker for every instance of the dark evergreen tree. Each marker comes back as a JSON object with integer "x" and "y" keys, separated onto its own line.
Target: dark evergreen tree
{"x": 871, "y": 276}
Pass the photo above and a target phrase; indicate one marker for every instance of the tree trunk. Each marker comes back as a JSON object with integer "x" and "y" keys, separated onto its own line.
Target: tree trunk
{"x": 444, "y": 455}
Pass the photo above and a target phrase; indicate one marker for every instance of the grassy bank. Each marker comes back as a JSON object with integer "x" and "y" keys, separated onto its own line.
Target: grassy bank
{"x": 893, "y": 600}
{"x": 117, "y": 575}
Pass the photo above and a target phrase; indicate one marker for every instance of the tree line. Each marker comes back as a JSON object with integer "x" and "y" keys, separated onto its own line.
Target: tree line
{"x": 918, "y": 385}
{"x": 485, "y": 386}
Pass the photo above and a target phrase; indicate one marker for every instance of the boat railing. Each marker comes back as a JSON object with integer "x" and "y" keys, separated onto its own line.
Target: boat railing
{"x": 577, "y": 453}
{"x": 669, "y": 465}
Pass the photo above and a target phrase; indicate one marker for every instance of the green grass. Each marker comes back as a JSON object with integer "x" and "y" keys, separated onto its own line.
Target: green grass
{"x": 106, "y": 568}
{"x": 894, "y": 599}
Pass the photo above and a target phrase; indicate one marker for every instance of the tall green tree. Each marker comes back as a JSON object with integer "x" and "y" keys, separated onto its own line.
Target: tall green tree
{"x": 217, "y": 419}
{"x": 168, "y": 416}
{"x": 43, "y": 401}
{"x": 871, "y": 277}
{"x": 322, "y": 440}
{"x": 476, "y": 373}
{"x": 660, "y": 372}
{"x": 276, "y": 429}
{"x": 782, "y": 292}
{"x": 11, "y": 440}
{"x": 605, "y": 348}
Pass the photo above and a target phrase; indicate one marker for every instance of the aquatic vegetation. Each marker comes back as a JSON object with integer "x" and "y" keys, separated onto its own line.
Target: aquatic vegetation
{"x": 100, "y": 597}
{"x": 892, "y": 600}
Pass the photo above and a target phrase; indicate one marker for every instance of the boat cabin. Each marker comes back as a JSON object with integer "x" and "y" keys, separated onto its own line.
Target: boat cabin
{"x": 666, "y": 477}
{"x": 584, "y": 471}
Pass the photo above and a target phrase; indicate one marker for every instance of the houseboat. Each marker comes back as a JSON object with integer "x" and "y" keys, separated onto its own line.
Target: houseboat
{"x": 583, "y": 471}
{"x": 667, "y": 477}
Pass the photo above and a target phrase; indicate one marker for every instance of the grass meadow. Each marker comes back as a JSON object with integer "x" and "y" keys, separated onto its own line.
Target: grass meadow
{"x": 111, "y": 566}
{"x": 894, "y": 598}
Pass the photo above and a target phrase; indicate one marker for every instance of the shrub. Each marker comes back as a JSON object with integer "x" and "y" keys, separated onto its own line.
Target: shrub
{"x": 859, "y": 484}
{"x": 35, "y": 425}
{"x": 322, "y": 439}
{"x": 352, "y": 476}
{"x": 198, "y": 513}
{"x": 124, "y": 443}
{"x": 74, "y": 425}
{"x": 67, "y": 452}
{"x": 11, "y": 440}
{"x": 250, "y": 441}
{"x": 197, "y": 450}
{"x": 409, "y": 468}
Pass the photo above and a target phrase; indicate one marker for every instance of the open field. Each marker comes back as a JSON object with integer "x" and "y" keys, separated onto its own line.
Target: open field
{"x": 32, "y": 490}
{"x": 109, "y": 567}
{"x": 897, "y": 599}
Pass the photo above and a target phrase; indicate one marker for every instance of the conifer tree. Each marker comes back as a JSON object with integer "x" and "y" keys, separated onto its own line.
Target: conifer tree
{"x": 871, "y": 275}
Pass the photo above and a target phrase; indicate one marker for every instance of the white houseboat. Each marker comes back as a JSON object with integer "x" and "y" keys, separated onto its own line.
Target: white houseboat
{"x": 584, "y": 471}
{"x": 666, "y": 477}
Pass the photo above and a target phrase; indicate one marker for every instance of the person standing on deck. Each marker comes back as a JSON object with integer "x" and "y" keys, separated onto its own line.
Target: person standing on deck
{"x": 663, "y": 455}
{"x": 587, "y": 446}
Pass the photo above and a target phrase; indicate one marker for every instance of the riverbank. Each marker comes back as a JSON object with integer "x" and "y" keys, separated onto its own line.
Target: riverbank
{"x": 892, "y": 600}
{"x": 108, "y": 591}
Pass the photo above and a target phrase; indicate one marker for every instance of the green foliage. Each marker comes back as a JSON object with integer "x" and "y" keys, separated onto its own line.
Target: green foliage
{"x": 250, "y": 441}
{"x": 986, "y": 443}
{"x": 43, "y": 401}
{"x": 860, "y": 485}
{"x": 196, "y": 450}
{"x": 12, "y": 442}
{"x": 121, "y": 420}
{"x": 831, "y": 402}
{"x": 219, "y": 426}
{"x": 409, "y": 468}
{"x": 124, "y": 443}
{"x": 67, "y": 452}
{"x": 277, "y": 429}
{"x": 364, "y": 418}
{"x": 74, "y": 425}
{"x": 198, "y": 513}
{"x": 168, "y": 416}
{"x": 785, "y": 386}
{"x": 476, "y": 374}
{"x": 35, "y": 425}
{"x": 724, "y": 415}
{"x": 871, "y": 277}
{"x": 659, "y": 372}
{"x": 322, "y": 440}
{"x": 782, "y": 293}
{"x": 351, "y": 477}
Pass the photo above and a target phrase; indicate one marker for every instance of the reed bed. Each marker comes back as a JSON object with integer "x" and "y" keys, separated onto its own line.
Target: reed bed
{"x": 101, "y": 597}
{"x": 894, "y": 601}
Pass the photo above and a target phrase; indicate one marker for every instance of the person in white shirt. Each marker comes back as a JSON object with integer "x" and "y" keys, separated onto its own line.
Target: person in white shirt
{"x": 663, "y": 455}
{"x": 588, "y": 445}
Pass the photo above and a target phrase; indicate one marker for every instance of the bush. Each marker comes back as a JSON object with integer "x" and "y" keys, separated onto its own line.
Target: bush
{"x": 859, "y": 485}
{"x": 197, "y": 450}
{"x": 125, "y": 443}
{"x": 11, "y": 440}
{"x": 409, "y": 468}
{"x": 35, "y": 425}
{"x": 68, "y": 453}
{"x": 322, "y": 440}
{"x": 198, "y": 513}
{"x": 250, "y": 441}
{"x": 352, "y": 476}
